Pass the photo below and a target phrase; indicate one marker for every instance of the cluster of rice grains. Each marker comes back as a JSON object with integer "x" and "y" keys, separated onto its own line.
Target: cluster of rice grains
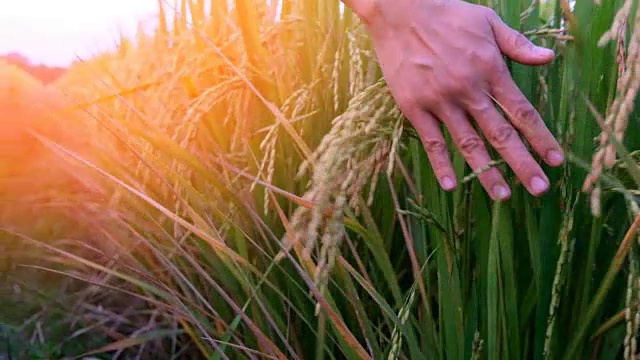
{"x": 360, "y": 145}
{"x": 617, "y": 118}
{"x": 615, "y": 124}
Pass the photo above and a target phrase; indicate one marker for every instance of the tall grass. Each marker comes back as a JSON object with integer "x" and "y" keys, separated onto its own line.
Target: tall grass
{"x": 261, "y": 196}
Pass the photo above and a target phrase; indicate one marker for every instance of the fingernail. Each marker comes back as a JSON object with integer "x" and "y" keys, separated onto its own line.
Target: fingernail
{"x": 448, "y": 183}
{"x": 554, "y": 157}
{"x": 538, "y": 185}
{"x": 544, "y": 51}
{"x": 501, "y": 192}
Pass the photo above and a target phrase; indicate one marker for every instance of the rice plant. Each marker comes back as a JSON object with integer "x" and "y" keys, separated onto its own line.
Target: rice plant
{"x": 256, "y": 193}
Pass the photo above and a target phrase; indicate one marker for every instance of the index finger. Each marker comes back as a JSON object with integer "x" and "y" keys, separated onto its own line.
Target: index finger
{"x": 525, "y": 118}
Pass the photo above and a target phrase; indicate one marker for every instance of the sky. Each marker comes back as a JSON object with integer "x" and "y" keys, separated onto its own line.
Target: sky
{"x": 56, "y": 32}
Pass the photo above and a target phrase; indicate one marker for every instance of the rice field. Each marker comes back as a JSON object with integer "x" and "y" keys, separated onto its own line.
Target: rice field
{"x": 240, "y": 183}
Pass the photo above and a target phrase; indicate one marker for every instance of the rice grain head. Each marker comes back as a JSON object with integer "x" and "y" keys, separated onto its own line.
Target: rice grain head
{"x": 627, "y": 88}
{"x": 347, "y": 159}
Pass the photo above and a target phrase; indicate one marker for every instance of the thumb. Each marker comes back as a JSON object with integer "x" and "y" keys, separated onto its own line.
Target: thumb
{"x": 517, "y": 47}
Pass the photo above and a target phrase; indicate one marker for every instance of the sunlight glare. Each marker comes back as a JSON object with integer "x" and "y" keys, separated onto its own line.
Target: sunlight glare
{"x": 57, "y": 32}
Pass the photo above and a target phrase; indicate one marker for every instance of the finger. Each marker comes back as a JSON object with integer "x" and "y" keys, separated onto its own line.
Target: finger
{"x": 505, "y": 139}
{"x": 475, "y": 153}
{"x": 526, "y": 119}
{"x": 516, "y": 46}
{"x": 434, "y": 144}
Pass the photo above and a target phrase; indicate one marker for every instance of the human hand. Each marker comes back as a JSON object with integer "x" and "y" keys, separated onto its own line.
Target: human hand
{"x": 443, "y": 61}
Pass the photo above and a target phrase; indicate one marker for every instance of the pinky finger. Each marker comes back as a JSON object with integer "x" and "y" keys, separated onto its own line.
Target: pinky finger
{"x": 431, "y": 136}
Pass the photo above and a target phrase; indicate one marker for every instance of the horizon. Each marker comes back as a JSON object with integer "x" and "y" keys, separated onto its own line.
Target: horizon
{"x": 58, "y": 33}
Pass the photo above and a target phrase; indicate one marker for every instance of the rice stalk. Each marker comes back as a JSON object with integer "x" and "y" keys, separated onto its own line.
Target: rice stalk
{"x": 622, "y": 106}
{"x": 566, "y": 251}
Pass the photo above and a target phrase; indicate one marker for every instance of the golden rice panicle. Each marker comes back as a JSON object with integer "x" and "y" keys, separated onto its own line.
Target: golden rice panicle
{"x": 629, "y": 319}
{"x": 357, "y": 76}
{"x": 564, "y": 261}
{"x": 618, "y": 114}
{"x": 477, "y": 347}
{"x": 619, "y": 22}
{"x": 344, "y": 162}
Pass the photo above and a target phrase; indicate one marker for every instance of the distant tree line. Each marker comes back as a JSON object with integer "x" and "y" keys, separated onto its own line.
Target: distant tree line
{"x": 46, "y": 74}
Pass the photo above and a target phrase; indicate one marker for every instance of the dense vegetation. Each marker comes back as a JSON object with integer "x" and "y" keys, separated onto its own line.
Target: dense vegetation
{"x": 240, "y": 184}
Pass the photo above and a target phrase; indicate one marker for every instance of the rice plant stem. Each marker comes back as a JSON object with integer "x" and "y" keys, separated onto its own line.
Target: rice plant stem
{"x": 610, "y": 276}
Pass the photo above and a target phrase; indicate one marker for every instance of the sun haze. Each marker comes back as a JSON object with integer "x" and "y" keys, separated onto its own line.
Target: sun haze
{"x": 56, "y": 32}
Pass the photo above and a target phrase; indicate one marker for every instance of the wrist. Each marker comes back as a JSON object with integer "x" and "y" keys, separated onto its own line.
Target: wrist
{"x": 389, "y": 11}
{"x": 366, "y": 10}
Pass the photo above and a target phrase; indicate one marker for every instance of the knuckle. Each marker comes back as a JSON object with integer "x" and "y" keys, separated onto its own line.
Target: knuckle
{"x": 457, "y": 84}
{"x": 526, "y": 115}
{"x": 435, "y": 146}
{"x": 502, "y": 135}
{"x": 407, "y": 100}
{"x": 492, "y": 62}
{"x": 490, "y": 14}
{"x": 409, "y": 105}
{"x": 499, "y": 69}
{"x": 485, "y": 57}
{"x": 429, "y": 99}
{"x": 480, "y": 107}
{"x": 520, "y": 41}
{"x": 470, "y": 144}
